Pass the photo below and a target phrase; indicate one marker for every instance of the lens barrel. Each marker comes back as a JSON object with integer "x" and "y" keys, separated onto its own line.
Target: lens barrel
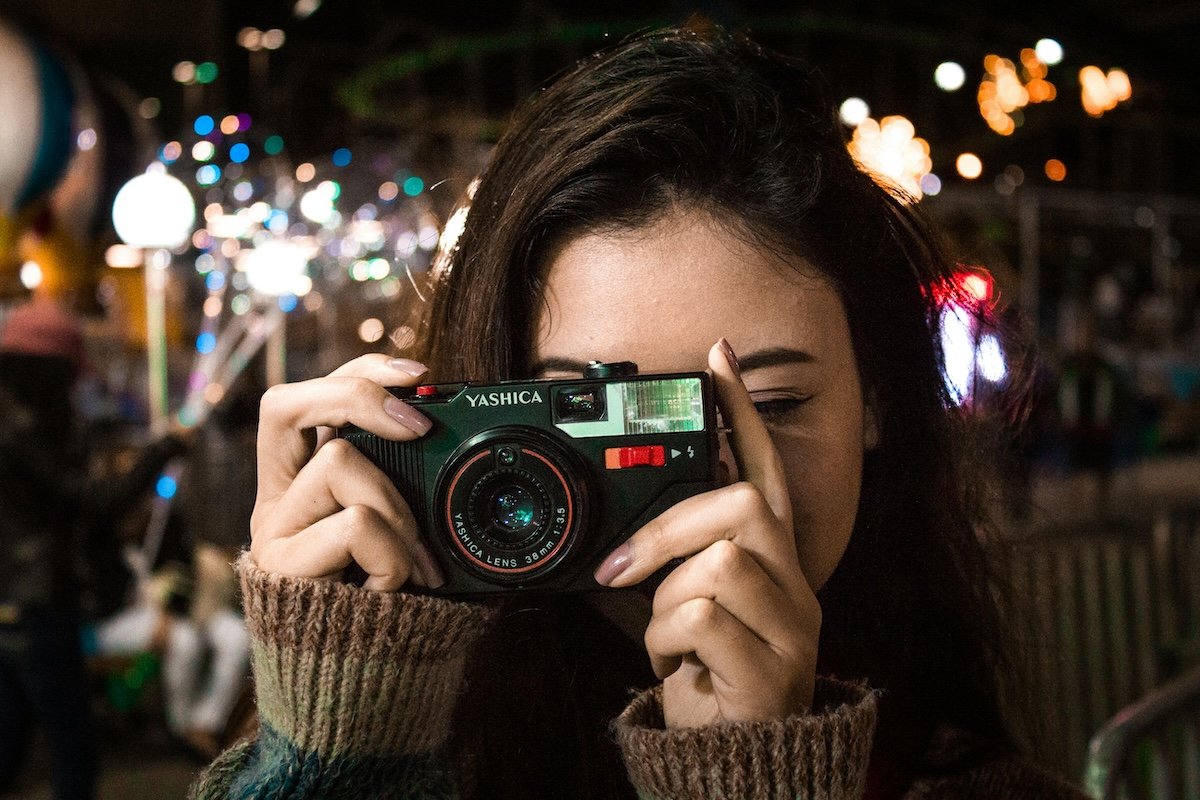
{"x": 512, "y": 502}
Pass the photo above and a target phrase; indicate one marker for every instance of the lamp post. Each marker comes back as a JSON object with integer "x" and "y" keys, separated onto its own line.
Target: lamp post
{"x": 156, "y": 213}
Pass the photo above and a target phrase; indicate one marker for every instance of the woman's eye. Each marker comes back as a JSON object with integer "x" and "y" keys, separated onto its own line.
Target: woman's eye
{"x": 779, "y": 409}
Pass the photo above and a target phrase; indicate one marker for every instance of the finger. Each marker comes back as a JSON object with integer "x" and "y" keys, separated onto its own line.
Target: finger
{"x": 701, "y": 626}
{"x": 738, "y": 513}
{"x": 730, "y": 577}
{"x": 356, "y": 534}
{"x": 290, "y": 409}
{"x": 757, "y": 459}
{"x": 382, "y": 369}
{"x": 340, "y": 477}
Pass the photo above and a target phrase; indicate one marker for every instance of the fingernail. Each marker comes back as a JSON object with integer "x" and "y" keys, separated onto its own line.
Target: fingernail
{"x": 614, "y": 565}
{"x": 407, "y": 416}
{"x": 730, "y": 357}
{"x": 433, "y": 575}
{"x": 408, "y": 365}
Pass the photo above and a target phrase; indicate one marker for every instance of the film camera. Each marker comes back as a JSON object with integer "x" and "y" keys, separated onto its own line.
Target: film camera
{"x": 523, "y": 486}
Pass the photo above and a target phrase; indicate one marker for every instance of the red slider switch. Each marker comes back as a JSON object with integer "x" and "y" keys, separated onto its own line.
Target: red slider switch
{"x": 649, "y": 455}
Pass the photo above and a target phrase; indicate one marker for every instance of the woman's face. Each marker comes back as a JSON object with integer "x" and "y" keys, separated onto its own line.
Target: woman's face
{"x": 663, "y": 294}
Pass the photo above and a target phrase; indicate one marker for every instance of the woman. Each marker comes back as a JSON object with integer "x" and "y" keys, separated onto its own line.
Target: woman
{"x": 832, "y": 629}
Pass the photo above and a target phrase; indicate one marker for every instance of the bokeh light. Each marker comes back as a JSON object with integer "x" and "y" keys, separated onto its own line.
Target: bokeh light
{"x": 1100, "y": 92}
{"x": 388, "y": 191}
{"x": 184, "y": 72}
{"x": 1049, "y": 51}
{"x": 371, "y": 330}
{"x": 891, "y": 151}
{"x": 206, "y": 72}
{"x": 854, "y": 111}
{"x": 949, "y": 76}
{"x": 413, "y": 186}
{"x": 203, "y": 150}
{"x": 31, "y": 275}
{"x": 1056, "y": 170}
{"x": 208, "y": 175}
{"x": 969, "y": 166}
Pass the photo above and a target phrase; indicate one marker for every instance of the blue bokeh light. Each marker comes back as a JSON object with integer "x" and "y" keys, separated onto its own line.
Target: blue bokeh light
{"x": 239, "y": 152}
{"x": 203, "y": 125}
{"x": 166, "y": 487}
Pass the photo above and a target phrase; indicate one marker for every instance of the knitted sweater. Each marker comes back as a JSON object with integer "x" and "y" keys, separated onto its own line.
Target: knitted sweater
{"x": 356, "y": 691}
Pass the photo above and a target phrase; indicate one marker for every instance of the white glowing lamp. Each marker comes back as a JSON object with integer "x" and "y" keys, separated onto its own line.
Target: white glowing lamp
{"x": 154, "y": 210}
{"x": 276, "y": 267}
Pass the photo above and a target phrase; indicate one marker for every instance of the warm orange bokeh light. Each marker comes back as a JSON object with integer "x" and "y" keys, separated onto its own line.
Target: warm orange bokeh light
{"x": 1056, "y": 170}
{"x": 969, "y": 166}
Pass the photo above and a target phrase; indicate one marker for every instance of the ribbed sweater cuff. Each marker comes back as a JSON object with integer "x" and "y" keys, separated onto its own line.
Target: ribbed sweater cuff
{"x": 821, "y": 755}
{"x": 342, "y": 671}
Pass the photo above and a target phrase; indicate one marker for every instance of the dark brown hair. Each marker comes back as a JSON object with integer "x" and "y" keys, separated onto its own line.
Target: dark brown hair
{"x": 700, "y": 118}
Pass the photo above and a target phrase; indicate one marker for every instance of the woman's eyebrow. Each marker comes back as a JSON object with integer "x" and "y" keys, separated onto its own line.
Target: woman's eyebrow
{"x": 771, "y": 357}
{"x": 774, "y": 357}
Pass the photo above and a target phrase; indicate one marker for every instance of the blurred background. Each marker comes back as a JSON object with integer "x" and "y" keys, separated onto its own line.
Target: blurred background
{"x": 200, "y": 200}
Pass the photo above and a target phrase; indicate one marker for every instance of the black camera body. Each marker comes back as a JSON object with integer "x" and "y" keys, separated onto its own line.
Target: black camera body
{"x": 524, "y": 486}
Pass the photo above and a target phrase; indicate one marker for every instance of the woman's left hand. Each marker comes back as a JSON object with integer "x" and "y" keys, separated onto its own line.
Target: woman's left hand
{"x": 734, "y": 628}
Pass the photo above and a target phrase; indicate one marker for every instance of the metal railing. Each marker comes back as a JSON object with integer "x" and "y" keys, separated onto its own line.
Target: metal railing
{"x": 1115, "y": 617}
{"x": 1150, "y": 748}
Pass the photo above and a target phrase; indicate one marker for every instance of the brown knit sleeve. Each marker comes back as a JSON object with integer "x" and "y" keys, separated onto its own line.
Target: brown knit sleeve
{"x": 822, "y": 754}
{"x": 342, "y": 671}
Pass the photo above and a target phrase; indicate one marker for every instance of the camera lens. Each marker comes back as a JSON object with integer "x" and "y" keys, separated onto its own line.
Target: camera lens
{"x": 513, "y": 509}
{"x": 512, "y": 520}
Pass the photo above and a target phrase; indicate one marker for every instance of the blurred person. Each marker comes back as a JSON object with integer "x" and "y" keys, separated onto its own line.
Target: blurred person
{"x": 832, "y": 631}
{"x": 51, "y": 512}
{"x": 204, "y": 661}
{"x": 188, "y": 613}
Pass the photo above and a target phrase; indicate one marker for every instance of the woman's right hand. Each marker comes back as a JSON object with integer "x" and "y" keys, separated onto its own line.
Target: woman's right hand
{"x": 319, "y": 509}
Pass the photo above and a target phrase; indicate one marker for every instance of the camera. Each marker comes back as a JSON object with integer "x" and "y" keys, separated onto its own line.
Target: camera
{"x": 524, "y": 486}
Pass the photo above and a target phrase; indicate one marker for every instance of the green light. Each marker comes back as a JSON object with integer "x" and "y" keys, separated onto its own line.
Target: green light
{"x": 413, "y": 186}
{"x": 273, "y": 146}
{"x": 206, "y": 72}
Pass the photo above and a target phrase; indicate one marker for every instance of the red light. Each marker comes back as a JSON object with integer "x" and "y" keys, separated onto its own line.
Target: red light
{"x": 977, "y": 285}
{"x": 971, "y": 286}
{"x": 425, "y": 390}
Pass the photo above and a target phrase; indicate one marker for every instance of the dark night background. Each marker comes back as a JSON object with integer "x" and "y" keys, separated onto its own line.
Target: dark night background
{"x": 882, "y": 51}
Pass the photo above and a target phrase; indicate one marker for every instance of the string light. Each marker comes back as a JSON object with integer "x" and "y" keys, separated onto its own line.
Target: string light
{"x": 892, "y": 153}
{"x": 1100, "y": 92}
